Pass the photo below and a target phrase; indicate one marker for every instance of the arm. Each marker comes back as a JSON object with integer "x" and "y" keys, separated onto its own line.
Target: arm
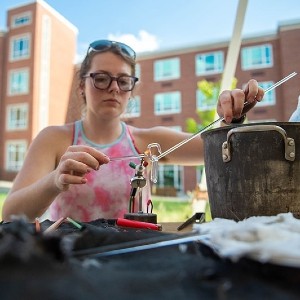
{"x": 230, "y": 105}
{"x": 50, "y": 166}
{"x": 190, "y": 154}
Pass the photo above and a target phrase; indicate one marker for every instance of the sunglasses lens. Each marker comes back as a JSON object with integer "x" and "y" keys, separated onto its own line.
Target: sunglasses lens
{"x": 102, "y": 45}
{"x": 127, "y": 50}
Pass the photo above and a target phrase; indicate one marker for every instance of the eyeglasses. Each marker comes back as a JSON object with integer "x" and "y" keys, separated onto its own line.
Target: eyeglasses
{"x": 102, "y": 81}
{"x": 102, "y": 45}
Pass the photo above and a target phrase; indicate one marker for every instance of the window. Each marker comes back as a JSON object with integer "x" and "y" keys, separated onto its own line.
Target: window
{"x": 167, "y": 69}
{"x": 15, "y": 154}
{"x": 20, "y": 47}
{"x": 18, "y": 82}
{"x": 138, "y": 71}
{"x": 270, "y": 97}
{"x": 133, "y": 108}
{"x": 257, "y": 57}
{"x": 17, "y": 117}
{"x": 167, "y": 103}
{"x": 209, "y": 63}
{"x": 204, "y": 103}
{"x": 21, "y": 19}
{"x": 170, "y": 175}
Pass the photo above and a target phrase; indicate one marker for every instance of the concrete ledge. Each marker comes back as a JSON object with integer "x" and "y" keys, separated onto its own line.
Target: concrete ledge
{"x": 5, "y": 186}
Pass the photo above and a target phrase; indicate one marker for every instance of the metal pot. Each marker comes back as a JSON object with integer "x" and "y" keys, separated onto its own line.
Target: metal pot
{"x": 253, "y": 169}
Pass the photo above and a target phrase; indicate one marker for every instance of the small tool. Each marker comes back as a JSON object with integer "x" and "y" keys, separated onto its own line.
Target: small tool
{"x": 196, "y": 218}
{"x": 54, "y": 226}
{"x": 141, "y": 156}
{"x": 137, "y": 224}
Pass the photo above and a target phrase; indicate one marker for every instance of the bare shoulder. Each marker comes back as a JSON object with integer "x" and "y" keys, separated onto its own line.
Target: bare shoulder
{"x": 62, "y": 133}
{"x": 58, "y": 129}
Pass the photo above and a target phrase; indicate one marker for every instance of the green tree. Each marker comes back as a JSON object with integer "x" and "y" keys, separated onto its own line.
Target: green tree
{"x": 210, "y": 92}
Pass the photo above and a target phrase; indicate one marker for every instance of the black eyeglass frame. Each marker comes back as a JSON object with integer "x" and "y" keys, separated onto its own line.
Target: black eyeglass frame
{"x": 112, "y": 78}
{"x": 103, "y": 45}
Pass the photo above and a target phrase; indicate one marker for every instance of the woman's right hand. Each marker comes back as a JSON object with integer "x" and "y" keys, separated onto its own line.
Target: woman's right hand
{"x": 75, "y": 163}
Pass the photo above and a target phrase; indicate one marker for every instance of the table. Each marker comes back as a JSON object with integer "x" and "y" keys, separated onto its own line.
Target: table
{"x": 34, "y": 266}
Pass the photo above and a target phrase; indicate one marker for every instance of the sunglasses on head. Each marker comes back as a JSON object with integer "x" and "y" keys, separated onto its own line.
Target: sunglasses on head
{"x": 102, "y": 45}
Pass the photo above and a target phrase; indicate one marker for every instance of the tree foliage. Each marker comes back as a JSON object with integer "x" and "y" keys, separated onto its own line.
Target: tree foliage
{"x": 210, "y": 91}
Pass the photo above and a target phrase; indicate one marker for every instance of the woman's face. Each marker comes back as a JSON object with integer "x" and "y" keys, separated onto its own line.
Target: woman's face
{"x": 111, "y": 102}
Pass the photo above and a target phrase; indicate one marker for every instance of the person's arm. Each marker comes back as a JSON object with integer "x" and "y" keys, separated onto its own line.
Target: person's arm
{"x": 190, "y": 153}
{"x": 50, "y": 166}
{"x": 230, "y": 105}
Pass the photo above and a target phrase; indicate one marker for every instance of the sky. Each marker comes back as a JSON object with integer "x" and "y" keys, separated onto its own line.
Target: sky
{"x": 150, "y": 25}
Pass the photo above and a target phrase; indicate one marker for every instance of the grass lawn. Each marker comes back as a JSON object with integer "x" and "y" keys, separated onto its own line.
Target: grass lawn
{"x": 171, "y": 210}
{"x": 167, "y": 209}
{"x": 2, "y": 198}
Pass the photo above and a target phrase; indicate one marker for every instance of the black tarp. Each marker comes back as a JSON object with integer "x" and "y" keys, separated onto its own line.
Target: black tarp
{"x": 38, "y": 266}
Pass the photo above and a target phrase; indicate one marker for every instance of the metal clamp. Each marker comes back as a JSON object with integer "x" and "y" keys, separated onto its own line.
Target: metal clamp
{"x": 288, "y": 142}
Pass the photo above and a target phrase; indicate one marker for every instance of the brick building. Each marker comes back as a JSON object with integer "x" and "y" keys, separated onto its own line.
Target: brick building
{"x": 38, "y": 88}
{"x": 37, "y": 65}
{"x": 168, "y": 92}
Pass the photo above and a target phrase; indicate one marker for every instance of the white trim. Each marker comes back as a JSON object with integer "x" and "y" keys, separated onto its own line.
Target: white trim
{"x": 49, "y": 8}
{"x": 43, "y": 115}
{"x": 14, "y": 142}
{"x": 15, "y": 37}
{"x": 58, "y": 15}
{"x": 19, "y": 70}
{"x": 9, "y": 107}
{"x": 19, "y": 15}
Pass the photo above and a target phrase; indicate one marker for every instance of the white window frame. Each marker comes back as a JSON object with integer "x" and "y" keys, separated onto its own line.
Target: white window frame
{"x": 15, "y": 165}
{"x": 178, "y": 170}
{"x": 178, "y": 178}
{"x": 138, "y": 71}
{"x": 133, "y": 109}
{"x": 167, "y": 103}
{"x": 206, "y": 104}
{"x": 20, "y": 54}
{"x": 18, "y": 83}
{"x": 202, "y": 67}
{"x": 270, "y": 97}
{"x": 25, "y": 16}
{"x": 248, "y": 57}
{"x": 167, "y": 69}
{"x": 17, "y": 116}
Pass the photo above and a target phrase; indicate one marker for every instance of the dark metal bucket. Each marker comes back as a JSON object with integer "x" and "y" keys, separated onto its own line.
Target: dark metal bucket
{"x": 253, "y": 169}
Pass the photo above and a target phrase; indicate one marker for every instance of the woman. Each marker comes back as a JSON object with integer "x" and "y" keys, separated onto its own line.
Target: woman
{"x": 68, "y": 169}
